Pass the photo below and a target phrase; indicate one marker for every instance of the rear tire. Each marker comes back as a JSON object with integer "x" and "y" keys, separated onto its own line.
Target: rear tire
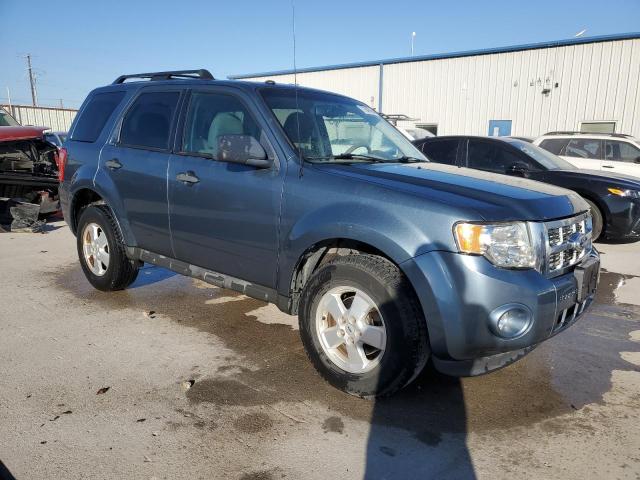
{"x": 597, "y": 219}
{"x": 101, "y": 250}
{"x": 395, "y": 324}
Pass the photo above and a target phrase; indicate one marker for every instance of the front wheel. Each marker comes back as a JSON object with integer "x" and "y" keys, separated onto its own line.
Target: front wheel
{"x": 101, "y": 250}
{"x": 596, "y": 219}
{"x": 362, "y": 325}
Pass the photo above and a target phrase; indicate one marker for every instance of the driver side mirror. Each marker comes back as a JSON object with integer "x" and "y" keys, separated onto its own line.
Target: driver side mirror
{"x": 243, "y": 149}
{"x": 518, "y": 169}
{"x": 636, "y": 160}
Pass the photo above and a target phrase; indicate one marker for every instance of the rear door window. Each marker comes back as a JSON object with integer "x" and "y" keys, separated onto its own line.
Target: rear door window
{"x": 442, "y": 151}
{"x": 94, "y": 116}
{"x": 148, "y": 122}
{"x": 584, "y": 148}
{"x": 554, "y": 145}
{"x": 621, "y": 151}
{"x": 486, "y": 156}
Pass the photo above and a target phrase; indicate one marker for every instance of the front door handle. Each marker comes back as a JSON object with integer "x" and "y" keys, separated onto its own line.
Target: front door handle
{"x": 188, "y": 178}
{"x": 113, "y": 164}
{"x": 608, "y": 166}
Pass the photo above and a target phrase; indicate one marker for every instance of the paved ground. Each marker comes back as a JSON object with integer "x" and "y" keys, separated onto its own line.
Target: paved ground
{"x": 203, "y": 383}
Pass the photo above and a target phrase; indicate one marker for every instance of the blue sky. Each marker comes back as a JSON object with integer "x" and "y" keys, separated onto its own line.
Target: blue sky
{"x": 78, "y": 45}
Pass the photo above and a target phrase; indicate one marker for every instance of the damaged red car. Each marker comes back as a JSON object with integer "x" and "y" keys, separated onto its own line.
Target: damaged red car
{"x": 28, "y": 167}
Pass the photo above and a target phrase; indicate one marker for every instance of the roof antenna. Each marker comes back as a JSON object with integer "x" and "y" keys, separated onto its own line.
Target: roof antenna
{"x": 295, "y": 82}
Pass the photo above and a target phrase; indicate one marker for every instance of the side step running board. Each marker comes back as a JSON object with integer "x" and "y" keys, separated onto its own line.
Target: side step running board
{"x": 218, "y": 279}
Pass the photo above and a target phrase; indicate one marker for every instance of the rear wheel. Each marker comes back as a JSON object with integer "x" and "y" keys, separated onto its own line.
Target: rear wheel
{"x": 597, "y": 219}
{"x": 362, "y": 325}
{"x": 102, "y": 252}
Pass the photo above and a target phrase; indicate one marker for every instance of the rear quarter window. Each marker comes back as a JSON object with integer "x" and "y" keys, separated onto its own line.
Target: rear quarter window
{"x": 554, "y": 145}
{"x": 95, "y": 115}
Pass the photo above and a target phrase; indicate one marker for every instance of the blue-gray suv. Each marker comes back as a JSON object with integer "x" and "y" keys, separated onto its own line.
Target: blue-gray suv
{"x": 312, "y": 201}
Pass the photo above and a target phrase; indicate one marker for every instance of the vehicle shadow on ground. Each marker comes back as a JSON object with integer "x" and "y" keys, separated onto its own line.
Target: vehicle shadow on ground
{"x": 420, "y": 432}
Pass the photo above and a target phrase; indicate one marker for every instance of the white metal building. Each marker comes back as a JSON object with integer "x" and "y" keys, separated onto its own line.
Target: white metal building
{"x": 57, "y": 119}
{"x": 589, "y": 84}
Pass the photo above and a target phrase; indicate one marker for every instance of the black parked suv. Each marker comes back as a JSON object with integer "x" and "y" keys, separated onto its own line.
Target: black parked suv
{"x": 312, "y": 201}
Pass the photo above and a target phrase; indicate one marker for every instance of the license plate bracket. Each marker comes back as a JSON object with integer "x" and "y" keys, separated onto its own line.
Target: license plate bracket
{"x": 586, "y": 275}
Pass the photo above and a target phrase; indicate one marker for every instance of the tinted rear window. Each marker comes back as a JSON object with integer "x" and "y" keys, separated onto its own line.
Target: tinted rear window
{"x": 554, "y": 145}
{"x": 441, "y": 151}
{"x": 95, "y": 115}
{"x": 148, "y": 123}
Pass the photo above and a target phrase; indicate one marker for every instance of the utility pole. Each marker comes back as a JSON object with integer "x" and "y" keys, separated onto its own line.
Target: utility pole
{"x": 9, "y": 99}
{"x": 32, "y": 81}
{"x": 61, "y": 104}
{"x": 413, "y": 37}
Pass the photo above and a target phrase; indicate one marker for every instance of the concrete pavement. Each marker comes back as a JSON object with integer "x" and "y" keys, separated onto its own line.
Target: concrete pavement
{"x": 205, "y": 383}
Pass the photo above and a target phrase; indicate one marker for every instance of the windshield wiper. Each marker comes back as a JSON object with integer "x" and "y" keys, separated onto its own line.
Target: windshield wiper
{"x": 348, "y": 156}
{"x": 406, "y": 159}
{"x": 364, "y": 157}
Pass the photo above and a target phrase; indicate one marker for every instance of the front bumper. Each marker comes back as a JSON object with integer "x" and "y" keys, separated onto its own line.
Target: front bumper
{"x": 623, "y": 218}
{"x": 458, "y": 292}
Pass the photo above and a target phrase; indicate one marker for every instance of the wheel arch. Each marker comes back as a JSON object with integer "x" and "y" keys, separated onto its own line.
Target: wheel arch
{"x": 80, "y": 200}
{"x": 87, "y": 194}
{"x": 323, "y": 251}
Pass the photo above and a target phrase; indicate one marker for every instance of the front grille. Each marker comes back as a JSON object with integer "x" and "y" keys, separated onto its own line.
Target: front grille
{"x": 569, "y": 315}
{"x": 568, "y": 241}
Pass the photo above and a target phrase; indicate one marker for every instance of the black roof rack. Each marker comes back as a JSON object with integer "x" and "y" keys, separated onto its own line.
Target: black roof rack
{"x": 196, "y": 74}
{"x": 394, "y": 118}
{"x": 620, "y": 135}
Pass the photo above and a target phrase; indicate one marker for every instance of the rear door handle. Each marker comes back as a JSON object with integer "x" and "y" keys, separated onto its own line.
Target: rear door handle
{"x": 608, "y": 166}
{"x": 188, "y": 178}
{"x": 113, "y": 164}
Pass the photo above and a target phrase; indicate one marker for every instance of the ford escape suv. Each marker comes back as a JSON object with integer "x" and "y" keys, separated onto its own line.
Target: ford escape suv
{"x": 312, "y": 201}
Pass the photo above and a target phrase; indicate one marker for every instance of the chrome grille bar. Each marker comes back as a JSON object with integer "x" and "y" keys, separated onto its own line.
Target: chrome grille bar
{"x": 567, "y": 242}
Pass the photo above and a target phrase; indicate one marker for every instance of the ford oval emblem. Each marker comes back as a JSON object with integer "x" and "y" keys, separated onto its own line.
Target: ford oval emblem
{"x": 577, "y": 240}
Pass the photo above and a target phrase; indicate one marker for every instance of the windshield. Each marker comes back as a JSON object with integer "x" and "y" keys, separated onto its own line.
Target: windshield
{"x": 7, "y": 120}
{"x": 547, "y": 159}
{"x": 330, "y": 128}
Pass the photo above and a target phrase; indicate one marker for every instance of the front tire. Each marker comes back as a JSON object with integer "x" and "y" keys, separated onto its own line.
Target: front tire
{"x": 101, "y": 250}
{"x": 597, "y": 220}
{"x": 362, "y": 325}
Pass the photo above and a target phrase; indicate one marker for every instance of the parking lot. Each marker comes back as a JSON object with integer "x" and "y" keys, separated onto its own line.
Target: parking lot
{"x": 174, "y": 378}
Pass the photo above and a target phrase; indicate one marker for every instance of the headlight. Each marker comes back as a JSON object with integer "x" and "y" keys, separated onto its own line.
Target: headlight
{"x": 624, "y": 193}
{"x": 506, "y": 245}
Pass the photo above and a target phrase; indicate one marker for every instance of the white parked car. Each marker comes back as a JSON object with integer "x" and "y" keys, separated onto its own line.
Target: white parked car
{"x": 595, "y": 151}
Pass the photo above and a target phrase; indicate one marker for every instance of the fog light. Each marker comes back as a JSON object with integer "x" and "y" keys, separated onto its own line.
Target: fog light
{"x": 511, "y": 320}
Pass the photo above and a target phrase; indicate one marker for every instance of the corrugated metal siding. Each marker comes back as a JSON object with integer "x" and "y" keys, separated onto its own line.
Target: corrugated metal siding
{"x": 596, "y": 81}
{"x": 57, "y": 119}
{"x": 359, "y": 83}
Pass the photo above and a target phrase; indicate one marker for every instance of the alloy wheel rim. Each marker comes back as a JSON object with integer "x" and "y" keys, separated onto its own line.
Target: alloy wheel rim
{"x": 95, "y": 248}
{"x": 351, "y": 329}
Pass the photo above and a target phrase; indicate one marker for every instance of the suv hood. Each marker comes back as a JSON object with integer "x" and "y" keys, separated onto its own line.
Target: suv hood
{"x": 492, "y": 196}
{"x": 20, "y": 133}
